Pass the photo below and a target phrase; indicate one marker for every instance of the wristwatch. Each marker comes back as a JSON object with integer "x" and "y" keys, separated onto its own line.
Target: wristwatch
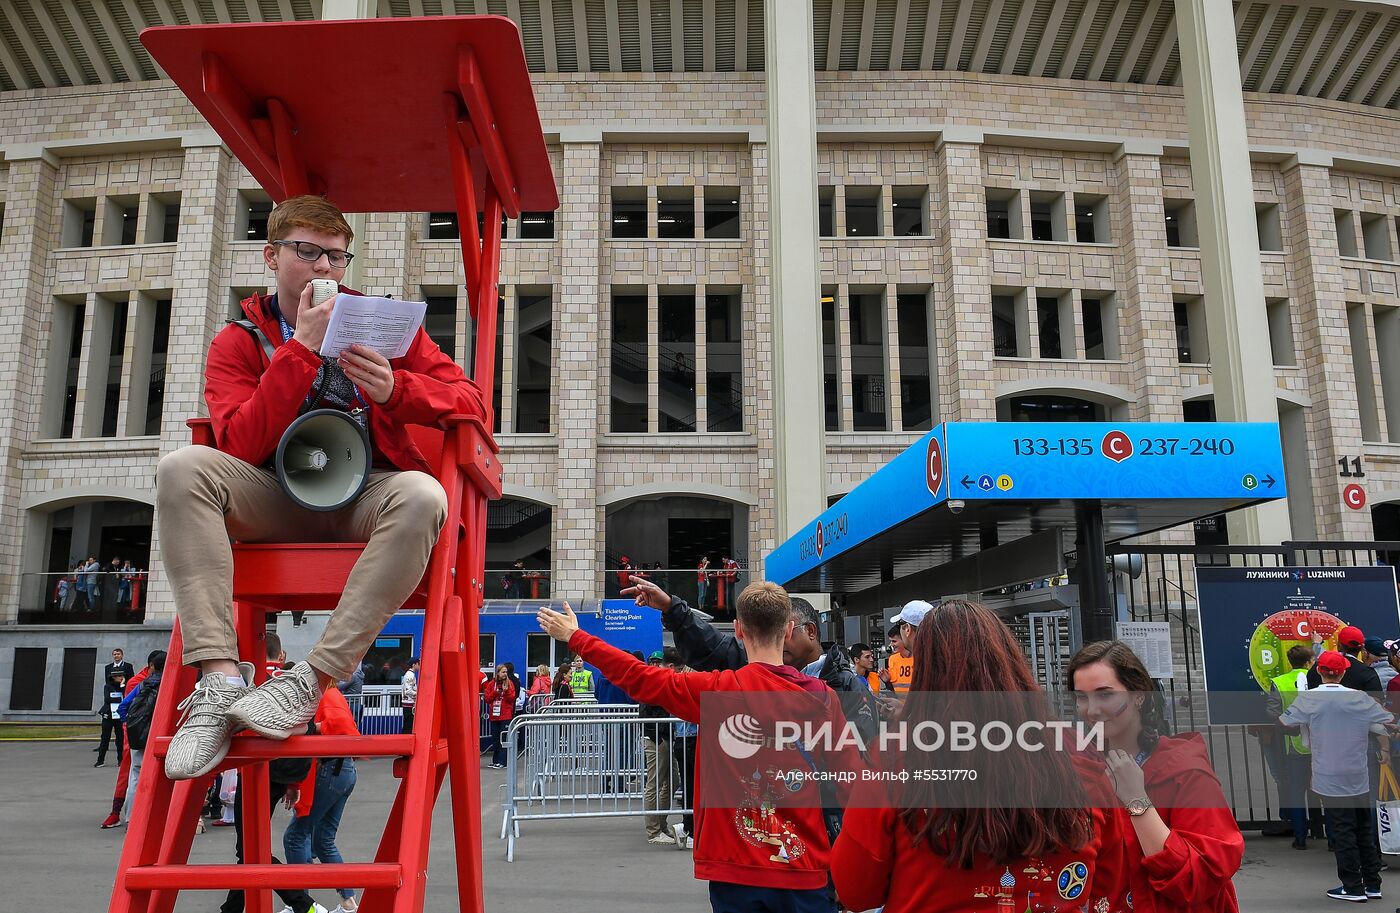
{"x": 1138, "y": 807}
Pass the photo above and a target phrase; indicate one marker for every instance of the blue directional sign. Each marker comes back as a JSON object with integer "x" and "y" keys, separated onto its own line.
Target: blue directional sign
{"x": 1049, "y": 461}
{"x": 1019, "y": 461}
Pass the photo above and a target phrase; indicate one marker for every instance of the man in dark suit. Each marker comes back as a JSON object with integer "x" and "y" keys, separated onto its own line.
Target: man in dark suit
{"x": 118, "y": 664}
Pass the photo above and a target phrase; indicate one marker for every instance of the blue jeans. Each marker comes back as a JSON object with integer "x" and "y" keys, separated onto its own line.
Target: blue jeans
{"x": 315, "y": 832}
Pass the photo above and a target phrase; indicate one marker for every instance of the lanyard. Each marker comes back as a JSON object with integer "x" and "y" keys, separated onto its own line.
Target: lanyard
{"x": 287, "y": 333}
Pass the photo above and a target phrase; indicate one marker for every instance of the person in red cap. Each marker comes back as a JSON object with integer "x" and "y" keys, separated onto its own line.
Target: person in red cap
{"x": 1358, "y": 676}
{"x": 1338, "y": 723}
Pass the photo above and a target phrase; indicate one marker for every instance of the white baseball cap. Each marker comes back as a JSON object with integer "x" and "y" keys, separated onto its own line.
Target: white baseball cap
{"x": 912, "y": 613}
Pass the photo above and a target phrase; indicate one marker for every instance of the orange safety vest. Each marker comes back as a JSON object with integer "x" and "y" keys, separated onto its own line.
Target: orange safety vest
{"x": 901, "y": 673}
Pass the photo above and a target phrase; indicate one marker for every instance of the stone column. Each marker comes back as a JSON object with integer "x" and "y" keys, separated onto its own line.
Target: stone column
{"x": 963, "y": 294}
{"x": 579, "y": 528}
{"x": 759, "y": 342}
{"x": 799, "y": 425}
{"x": 31, "y": 221}
{"x": 1147, "y": 318}
{"x": 197, "y": 312}
{"x": 1242, "y": 368}
{"x": 1324, "y": 345}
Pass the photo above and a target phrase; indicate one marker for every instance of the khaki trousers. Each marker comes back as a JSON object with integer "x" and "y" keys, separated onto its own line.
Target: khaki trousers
{"x": 204, "y": 497}
{"x": 661, "y": 782}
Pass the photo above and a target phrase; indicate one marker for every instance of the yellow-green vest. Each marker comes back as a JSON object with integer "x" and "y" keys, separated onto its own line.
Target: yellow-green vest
{"x": 1287, "y": 685}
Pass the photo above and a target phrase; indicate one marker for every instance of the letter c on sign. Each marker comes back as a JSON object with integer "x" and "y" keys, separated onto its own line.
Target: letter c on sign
{"x": 1354, "y": 496}
{"x": 934, "y": 465}
{"x": 1117, "y": 446}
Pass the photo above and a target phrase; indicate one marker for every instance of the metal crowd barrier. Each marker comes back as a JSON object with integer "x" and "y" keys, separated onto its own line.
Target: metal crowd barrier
{"x": 588, "y": 764}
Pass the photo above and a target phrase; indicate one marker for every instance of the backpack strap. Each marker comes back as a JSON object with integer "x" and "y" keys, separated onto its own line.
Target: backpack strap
{"x": 258, "y": 334}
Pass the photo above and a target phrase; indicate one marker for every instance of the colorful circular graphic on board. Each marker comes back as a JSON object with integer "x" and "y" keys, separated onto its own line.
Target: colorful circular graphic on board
{"x": 1269, "y": 645}
{"x": 1072, "y": 881}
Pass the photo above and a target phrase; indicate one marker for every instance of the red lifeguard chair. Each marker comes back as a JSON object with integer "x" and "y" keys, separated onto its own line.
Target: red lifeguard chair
{"x": 388, "y": 115}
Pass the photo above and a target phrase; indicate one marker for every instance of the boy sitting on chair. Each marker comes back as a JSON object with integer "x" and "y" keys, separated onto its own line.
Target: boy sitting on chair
{"x": 206, "y": 496}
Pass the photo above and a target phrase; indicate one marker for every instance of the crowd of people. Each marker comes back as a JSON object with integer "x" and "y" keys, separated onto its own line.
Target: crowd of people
{"x": 90, "y": 586}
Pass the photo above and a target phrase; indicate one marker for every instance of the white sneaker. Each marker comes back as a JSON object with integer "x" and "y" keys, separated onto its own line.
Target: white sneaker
{"x": 662, "y": 840}
{"x": 341, "y": 908}
{"x": 679, "y": 833}
{"x": 201, "y": 739}
{"x": 280, "y": 706}
{"x": 690, "y": 843}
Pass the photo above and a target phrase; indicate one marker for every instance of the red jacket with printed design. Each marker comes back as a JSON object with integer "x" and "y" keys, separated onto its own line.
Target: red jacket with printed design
{"x": 765, "y": 847}
{"x": 252, "y": 401}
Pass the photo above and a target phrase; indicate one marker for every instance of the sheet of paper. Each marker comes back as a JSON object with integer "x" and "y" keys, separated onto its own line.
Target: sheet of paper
{"x": 386, "y": 325}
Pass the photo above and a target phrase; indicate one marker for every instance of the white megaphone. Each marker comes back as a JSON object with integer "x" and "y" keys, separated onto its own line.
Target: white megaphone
{"x": 323, "y": 460}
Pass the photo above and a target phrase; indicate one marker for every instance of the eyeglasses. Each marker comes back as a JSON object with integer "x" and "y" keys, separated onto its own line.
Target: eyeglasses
{"x": 338, "y": 259}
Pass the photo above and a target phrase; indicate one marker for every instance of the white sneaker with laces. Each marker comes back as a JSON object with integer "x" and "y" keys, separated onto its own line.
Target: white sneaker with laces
{"x": 280, "y": 706}
{"x": 679, "y": 833}
{"x": 202, "y": 736}
{"x": 661, "y": 840}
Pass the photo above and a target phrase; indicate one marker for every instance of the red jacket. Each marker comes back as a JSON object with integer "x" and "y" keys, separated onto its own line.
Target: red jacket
{"x": 723, "y": 851}
{"x": 333, "y": 717}
{"x": 1193, "y": 872}
{"x": 875, "y": 863}
{"x": 505, "y": 694}
{"x": 251, "y": 401}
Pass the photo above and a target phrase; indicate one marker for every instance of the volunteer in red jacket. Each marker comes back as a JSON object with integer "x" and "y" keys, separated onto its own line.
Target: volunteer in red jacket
{"x": 762, "y": 858}
{"x": 499, "y": 695}
{"x": 1184, "y": 846}
{"x": 900, "y": 850}
{"x": 204, "y": 495}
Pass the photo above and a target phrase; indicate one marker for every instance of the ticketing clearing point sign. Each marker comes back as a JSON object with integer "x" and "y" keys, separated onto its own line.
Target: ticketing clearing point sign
{"x": 1046, "y": 461}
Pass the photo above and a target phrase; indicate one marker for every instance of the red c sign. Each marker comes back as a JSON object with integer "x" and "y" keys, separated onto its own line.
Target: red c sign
{"x": 934, "y": 465}
{"x": 1117, "y": 446}
{"x": 1354, "y": 496}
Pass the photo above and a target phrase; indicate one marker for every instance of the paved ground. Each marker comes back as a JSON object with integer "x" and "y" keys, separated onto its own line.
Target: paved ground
{"x": 54, "y": 857}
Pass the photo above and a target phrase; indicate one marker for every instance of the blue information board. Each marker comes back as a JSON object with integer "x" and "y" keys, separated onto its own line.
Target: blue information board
{"x": 1104, "y": 460}
{"x": 1043, "y": 461}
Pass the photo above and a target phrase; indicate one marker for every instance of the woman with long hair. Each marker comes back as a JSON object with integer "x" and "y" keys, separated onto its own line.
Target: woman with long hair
{"x": 1025, "y": 835}
{"x": 1183, "y": 846}
{"x": 561, "y": 687}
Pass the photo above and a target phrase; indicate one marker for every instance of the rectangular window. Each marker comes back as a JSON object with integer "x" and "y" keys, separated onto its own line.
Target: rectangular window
{"x": 1192, "y": 344}
{"x": 27, "y": 682}
{"x": 1003, "y": 213}
{"x": 862, "y": 212}
{"x": 254, "y": 207}
{"x": 1375, "y": 234}
{"x": 1364, "y": 375}
{"x": 163, "y": 218}
{"x": 71, "y": 356}
{"x": 721, "y": 212}
{"x": 1180, "y": 218}
{"x": 116, "y": 349}
{"x": 1100, "y": 317}
{"x": 1091, "y": 218}
{"x": 1266, "y": 218}
{"x": 442, "y": 226}
{"x": 1387, "y": 321}
{"x": 915, "y": 365}
{"x": 155, "y": 389}
{"x": 481, "y": 224}
{"x": 826, "y": 209}
{"x": 468, "y": 360}
{"x": 1005, "y": 327}
{"x": 629, "y": 362}
{"x": 1281, "y": 331}
{"x": 675, "y": 213}
{"x": 724, "y": 362}
{"x": 910, "y": 207}
{"x": 536, "y": 226}
{"x": 486, "y": 650}
{"x": 629, "y": 212}
{"x": 440, "y": 321}
{"x": 79, "y": 679}
{"x": 1047, "y": 216}
{"x": 79, "y": 219}
{"x": 676, "y": 383}
{"x": 1346, "y": 232}
{"x": 119, "y": 224}
{"x": 1048, "y": 319}
{"x": 533, "y": 360}
{"x": 866, "y": 313}
{"x": 831, "y": 376}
